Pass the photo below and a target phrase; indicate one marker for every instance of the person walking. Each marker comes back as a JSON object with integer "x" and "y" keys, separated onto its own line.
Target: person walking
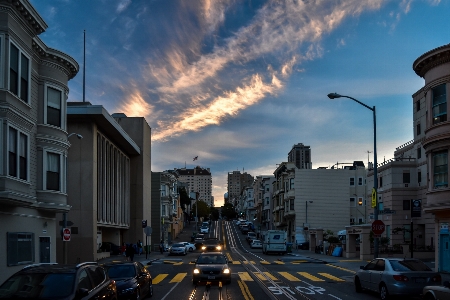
{"x": 161, "y": 247}
{"x": 123, "y": 249}
{"x": 139, "y": 247}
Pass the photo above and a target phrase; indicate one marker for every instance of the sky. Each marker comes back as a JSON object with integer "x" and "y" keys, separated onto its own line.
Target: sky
{"x": 239, "y": 82}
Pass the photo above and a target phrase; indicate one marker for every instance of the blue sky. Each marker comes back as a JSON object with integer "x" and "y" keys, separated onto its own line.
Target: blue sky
{"x": 239, "y": 82}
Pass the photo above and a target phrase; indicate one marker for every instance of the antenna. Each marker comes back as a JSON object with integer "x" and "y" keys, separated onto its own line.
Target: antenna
{"x": 84, "y": 67}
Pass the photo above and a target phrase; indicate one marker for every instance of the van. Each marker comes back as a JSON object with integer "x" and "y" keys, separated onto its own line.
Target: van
{"x": 275, "y": 242}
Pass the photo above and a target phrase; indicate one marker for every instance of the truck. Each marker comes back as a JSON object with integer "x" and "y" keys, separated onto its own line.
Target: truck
{"x": 274, "y": 241}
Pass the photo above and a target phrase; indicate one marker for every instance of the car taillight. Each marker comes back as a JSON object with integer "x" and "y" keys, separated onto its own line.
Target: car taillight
{"x": 436, "y": 278}
{"x": 400, "y": 278}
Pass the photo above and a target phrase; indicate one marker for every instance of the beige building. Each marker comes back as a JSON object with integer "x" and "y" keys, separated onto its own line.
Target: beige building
{"x": 236, "y": 182}
{"x": 33, "y": 138}
{"x": 199, "y": 181}
{"x": 109, "y": 176}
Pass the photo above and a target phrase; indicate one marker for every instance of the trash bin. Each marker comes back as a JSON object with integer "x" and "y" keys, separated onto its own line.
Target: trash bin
{"x": 289, "y": 247}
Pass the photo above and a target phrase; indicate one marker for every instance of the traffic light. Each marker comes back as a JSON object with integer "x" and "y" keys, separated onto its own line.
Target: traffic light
{"x": 144, "y": 223}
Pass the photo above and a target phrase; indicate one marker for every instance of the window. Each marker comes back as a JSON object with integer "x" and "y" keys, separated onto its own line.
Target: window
{"x": 439, "y": 104}
{"x": 53, "y": 171}
{"x": 418, "y": 129}
{"x": 17, "y": 154}
{"x": 163, "y": 210}
{"x": 406, "y": 177}
{"x": 419, "y": 177}
{"x": 419, "y": 153}
{"x": 417, "y": 105}
{"x": 406, "y": 205}
{"x": 18, "y": 73}
{"x": 291, "y": 182}
{"x": 440, "y": 170}
{"x": 352, "y": 202}
{"x": 360, "y": 221}
{"x": 360, "y": 181}
{"x": 20, "y": 248}
{"x": 380, "y": 181}
{"x": 360, "y": 201}
{"x": 352, "y": 181}
{"x": 352, "y": 221}
{"x": 291, "y": 204}
{"x": 53, "y": 107}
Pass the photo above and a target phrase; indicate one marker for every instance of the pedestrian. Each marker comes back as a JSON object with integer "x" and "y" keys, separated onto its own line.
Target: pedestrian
{"x": 161, "y": 247}
{"x": 139, "y": 247}
{"x": 123, "y": 249}
{"x": 130, "y": 252}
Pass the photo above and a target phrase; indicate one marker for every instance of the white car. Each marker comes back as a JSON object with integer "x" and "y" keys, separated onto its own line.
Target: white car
{"x": 189, "y": 246}
{"x": 256, "y": 244}
{"x": 177, "y": 249}
{"x": 204, "y": 229}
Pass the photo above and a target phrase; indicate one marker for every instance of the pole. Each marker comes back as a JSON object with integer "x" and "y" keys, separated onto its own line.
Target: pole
{"x": 196, "y": 211}
{"x": 412, "y": 237}
{"x": 375, "y": 178}
{"x": 64, "y": 243}
{"x": 146, "y": 246}
{"x": 306, "y": 210}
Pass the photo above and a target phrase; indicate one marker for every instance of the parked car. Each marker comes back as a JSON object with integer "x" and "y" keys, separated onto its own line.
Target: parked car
{"x": 255, "y": 244}
{"x": 204, "y": 229}
{"x": 250, "y": 237}
{"x": 395, "y": 276}
{"x": 436, "y": 292}
{"x": 133, "y": 280}
{"x": 244, "y": 229}
{"x": 53, "y": 281}
{"x": 211, "y": 267}
{"x": 189, "y": 246}
{"x": 303, "y": 246}
{"x": 211, "y": 245}
{"x": 110, "y": 247}
{"x": 178, "y": 249}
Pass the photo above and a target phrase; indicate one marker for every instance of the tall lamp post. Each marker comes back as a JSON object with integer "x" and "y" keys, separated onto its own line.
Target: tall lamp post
{"x": 375, "y": 178}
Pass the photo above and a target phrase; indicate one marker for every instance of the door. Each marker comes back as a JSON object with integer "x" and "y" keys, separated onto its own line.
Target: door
{"x": 44, "y": 249}
{"x": 444, "y": 253}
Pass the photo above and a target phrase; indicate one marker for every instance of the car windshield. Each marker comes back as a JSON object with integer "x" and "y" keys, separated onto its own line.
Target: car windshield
{"x": 178, "y": 245}
{"x": 121, "y": 271}
{"x": 211, "y": 259}
{"x": 38, "y": 286}
{"x": 408, "y": 265}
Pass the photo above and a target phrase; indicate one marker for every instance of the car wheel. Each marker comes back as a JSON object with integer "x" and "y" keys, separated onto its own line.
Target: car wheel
{"x": 384, "y": 294}
{"x": 429, "y": 297}
{"x": 191, "y": 249}
{"x": 358, "y": 287}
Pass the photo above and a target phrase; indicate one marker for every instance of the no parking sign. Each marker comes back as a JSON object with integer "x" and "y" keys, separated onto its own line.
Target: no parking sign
{"x": 66, "y": 234}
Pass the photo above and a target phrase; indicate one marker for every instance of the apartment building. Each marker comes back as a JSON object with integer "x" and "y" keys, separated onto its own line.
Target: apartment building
{"x": 300, "y": 155}
{"x": 199, "y": 181}
{"x": 262, "y": 188}
{"x": 33, "y": 138}
{"x": 236, "y": 182}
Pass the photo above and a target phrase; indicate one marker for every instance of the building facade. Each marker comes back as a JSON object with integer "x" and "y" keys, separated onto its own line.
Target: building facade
{"x": 199, "y": 181}
{"x": 33, "y": 138}
{"x": 300, "y": 155}
{"x": 236, "y": 182}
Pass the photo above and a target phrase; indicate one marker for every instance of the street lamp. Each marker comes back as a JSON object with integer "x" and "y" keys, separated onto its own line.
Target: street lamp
{"x": 375, "y": 178}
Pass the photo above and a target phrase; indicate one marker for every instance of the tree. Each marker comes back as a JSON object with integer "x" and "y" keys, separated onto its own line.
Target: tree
{"x": 203, "y": 209}
{"x": 214, "y": 213}
{"x": 184, "y": 197}
{"x": 228, "y": 211}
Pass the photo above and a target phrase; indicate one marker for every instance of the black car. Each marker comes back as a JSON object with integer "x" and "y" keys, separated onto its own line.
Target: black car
{"x": 211, "y": 267}
{"x": 110, "y": 247}
{"x": 211, "y": 245}
{"x": 53, "y": 281}
{"x": 133, "y": 280}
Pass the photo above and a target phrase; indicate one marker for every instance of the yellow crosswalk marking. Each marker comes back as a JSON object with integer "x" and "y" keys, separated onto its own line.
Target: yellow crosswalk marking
{"x": 343, "y": 269}
{"x": 235, "y": 262}
{"x": 265, "y": 262}
{"x": 159, "y": 278}
{"x": 310, "y": 277}
{"x": 178, "y": 278}
{"x": 245, "y": 276}
{"x": 267, "y": 275}
{"x": 329, "y": 276}
{"x": 246, "y": 262}
{"x": 289, "y": 276}
{"x": 279, "y": 262}
{"x": 296, "y": 262}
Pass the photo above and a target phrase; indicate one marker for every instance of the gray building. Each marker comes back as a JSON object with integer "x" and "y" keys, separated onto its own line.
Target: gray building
{"x": 33, "y": 138}
{"x": 300, "y": 155}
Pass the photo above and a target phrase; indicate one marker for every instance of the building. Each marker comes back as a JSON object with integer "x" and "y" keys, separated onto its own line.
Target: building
{"x": 237, "y": 181}
{"x": 262, "y": 188}
{"x": 431, "y": 104}
{"x": 109, "y": 181}
{"x": 33, "y": 138}
{"x": 300, "y": 155}
{"x": 199, "y": 181}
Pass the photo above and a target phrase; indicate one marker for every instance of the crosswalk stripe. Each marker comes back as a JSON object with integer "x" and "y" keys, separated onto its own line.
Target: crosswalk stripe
{"x": 279, "y": 262}
{"x": 178, "y": 278}
{"x": 159, "y": 278}
{"x": 310, "y": 277}
{"x": 246, "y": 262}
{"x": 289, "y": 276}
{"x": 296, "y": 262}
{"x": 329, "y": 276}
{"x": 343, "y": 269}
{"x": 235, "y": 262}
{"x": 265, "y": 262}
{"x": 245, "y": 276}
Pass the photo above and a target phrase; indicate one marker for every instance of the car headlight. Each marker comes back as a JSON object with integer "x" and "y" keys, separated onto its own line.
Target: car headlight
{"x": 203, "y": 247}
{"x": 218, "y": 247}
{"x": 226, "y": 271}
{"x": 196, "y": 271}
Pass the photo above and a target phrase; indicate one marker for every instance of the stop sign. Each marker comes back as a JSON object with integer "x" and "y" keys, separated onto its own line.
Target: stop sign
{"x": 66, "y": 234}
{"x": 378, "y": 227}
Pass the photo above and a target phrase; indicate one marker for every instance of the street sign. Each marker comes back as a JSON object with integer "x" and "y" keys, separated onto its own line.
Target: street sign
{"x": 66, "y": 234}
{"x": 378, "y": 227}
{"x": 144, "y": 223}
{"x": 374, "y": 197}
{"x": 148, "y": 231}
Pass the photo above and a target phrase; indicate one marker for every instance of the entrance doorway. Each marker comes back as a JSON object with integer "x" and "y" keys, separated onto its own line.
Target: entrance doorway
{"x": 44, "y": 249}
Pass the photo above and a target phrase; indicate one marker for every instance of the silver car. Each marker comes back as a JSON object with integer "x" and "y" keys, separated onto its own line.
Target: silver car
{"x": 177, "y": 249}
{"x": 437, "y": 292}
{"x": 395, "y": 276}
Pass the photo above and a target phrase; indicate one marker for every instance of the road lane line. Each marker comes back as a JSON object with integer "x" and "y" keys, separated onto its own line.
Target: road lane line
{"x": 245, "y": 276}
{"x": 178, "y": 278}
{"x": 159, "y": 278}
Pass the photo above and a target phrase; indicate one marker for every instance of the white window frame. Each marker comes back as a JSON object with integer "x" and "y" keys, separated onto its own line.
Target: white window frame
{"x": 62, "y": 169}
{"x": 19, "y": 74}
{"x": 350, "y": 181}
{"x": 62, "y": 108}
{"x": 19, "y": 132}
{"x": 360, "y": 181}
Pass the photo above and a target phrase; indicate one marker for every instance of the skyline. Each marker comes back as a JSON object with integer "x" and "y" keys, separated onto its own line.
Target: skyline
{"x": 238, "y": 83}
